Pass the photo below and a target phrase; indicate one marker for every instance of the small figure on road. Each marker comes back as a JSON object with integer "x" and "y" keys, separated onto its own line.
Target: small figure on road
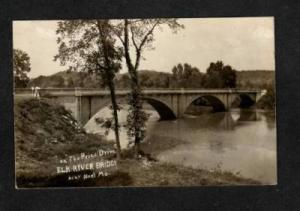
{"x": 36, "y": 92}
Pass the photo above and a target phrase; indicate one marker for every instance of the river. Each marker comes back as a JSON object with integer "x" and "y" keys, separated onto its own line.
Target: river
{"x": 239, "y": 141}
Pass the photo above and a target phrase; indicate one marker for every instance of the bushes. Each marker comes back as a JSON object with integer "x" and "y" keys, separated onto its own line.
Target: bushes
{"x": 268, "y": 101}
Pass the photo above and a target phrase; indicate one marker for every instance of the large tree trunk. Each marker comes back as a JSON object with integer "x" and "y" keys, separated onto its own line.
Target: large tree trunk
{"x": 115, "y": 116}
{"x": 136, "y": 95}
{"x": 110, "y": 77}
{"x": 135, "y": 90}
{"x": 136, "y": 149}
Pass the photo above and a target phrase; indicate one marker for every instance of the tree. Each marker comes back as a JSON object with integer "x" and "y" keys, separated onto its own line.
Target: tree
{"x": 186, "y": 76}
{"x": 220, "y": 76}
{"x": 21, "y": 66}
{"x": 229, "y": 77}
{"x": 139, "y": 34}
{"x": 89, "y": 45}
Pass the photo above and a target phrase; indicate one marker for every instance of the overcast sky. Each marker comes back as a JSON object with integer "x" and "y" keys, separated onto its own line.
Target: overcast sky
{"x": 243, "y": 43}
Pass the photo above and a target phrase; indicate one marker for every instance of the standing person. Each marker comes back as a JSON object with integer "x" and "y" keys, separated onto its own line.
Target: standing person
{"x": 36, "y": 92}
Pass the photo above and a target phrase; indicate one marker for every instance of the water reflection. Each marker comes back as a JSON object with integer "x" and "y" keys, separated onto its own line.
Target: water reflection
{"x": 270, "y": 120}
{"x": 248, "y": 115}
{"x": 240, "y": 140}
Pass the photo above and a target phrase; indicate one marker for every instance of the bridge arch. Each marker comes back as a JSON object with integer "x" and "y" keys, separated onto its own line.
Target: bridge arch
{"x": 215, "y": 102}
{"x": 243, "y": 101}
{"x": 246, "y": 101}
{"x": 161, "y": 107}
{"x": 164, "y": 111}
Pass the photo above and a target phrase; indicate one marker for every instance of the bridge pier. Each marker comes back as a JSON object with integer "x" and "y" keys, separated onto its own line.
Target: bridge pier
{"x": 180, "y": 105}
{"x": 83, "y": 109}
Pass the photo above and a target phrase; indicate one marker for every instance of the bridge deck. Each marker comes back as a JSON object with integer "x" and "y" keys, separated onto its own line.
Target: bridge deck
{"x": 95, "y": 92}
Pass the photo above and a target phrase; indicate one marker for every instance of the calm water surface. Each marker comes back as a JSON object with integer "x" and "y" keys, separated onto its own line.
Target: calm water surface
{"x": 240, "y": 141}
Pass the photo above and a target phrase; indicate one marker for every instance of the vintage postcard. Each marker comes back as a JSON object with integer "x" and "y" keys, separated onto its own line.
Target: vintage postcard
{"x": 144, "y": 102}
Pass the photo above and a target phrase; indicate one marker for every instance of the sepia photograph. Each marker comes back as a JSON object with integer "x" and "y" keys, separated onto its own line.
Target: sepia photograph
{"x": 166, "y": 102}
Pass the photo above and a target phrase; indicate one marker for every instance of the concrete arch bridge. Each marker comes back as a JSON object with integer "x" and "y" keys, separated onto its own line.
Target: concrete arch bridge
{"x": 169, "y": 103}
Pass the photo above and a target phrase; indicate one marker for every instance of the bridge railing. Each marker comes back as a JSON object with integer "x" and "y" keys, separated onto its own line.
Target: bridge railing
{"x": 53, "y": 92}
{"x": 54, "y": 89}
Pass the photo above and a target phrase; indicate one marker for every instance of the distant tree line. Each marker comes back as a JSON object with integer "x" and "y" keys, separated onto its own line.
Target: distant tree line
{"x": 67, "y": 79}
{"x": 186, "y": 76}
{"x": 258, "y": 79}
{"x": 182, "y": 76}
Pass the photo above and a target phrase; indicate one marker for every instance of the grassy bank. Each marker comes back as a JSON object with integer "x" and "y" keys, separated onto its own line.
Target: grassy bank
{"x": 46, "y": 133}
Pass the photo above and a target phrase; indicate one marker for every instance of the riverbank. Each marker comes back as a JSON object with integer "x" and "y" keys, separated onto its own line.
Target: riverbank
{"x": 152, "y": 173}
{"x": 142, "y": 173}
{"x": 46, "y": 134}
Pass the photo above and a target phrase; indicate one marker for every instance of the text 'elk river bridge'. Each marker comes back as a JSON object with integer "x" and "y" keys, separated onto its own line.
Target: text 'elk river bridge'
{"x": 169, "y": 103}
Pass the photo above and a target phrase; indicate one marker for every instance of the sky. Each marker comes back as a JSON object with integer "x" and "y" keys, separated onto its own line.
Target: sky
{"x": 243, "y": 43}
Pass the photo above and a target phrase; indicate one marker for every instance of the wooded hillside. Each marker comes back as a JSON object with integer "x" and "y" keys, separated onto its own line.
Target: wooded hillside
{"x": 148, "y": 79}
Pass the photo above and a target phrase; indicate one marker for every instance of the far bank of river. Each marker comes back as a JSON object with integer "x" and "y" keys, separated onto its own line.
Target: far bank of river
{"x": 239, "y": 141}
